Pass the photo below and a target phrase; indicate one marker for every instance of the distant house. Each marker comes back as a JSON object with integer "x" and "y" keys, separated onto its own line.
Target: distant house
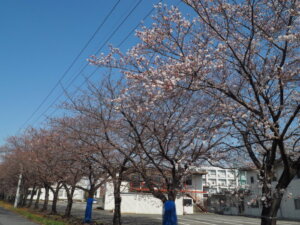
{"x": 250, "y": 197}
{"x": 218, "y": 179}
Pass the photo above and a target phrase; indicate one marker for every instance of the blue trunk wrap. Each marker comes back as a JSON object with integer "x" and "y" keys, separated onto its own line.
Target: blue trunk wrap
{"x": 169, "y": 216}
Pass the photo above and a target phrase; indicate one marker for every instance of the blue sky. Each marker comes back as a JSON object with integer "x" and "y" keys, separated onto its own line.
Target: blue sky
{"x": 38, "y": 42}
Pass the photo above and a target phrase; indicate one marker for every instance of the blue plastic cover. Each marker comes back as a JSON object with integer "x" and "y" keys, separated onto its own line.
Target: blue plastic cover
{"x": 169, "y": 215}
{"x": 88, "y": 210}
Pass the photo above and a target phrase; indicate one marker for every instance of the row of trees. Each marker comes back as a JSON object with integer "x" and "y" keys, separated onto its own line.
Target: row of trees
{"x": 45, "y": 161}
{"x": 222, "y": 84}
{"x": 106, "y": 139}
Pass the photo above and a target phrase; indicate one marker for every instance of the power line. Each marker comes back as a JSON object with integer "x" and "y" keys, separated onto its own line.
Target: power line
{"x": 113, "y": 33}
{"x": 145, "y": 17}
{"x": 72, "y": 64}
{"x": 97, "y": 52}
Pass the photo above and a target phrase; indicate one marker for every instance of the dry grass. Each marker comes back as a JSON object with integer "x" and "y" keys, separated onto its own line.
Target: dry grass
{"x": 35, "y": 216}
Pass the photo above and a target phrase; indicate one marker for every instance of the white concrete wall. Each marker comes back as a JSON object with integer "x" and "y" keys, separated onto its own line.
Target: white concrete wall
{"x": 287, "y": 208}
{"x": 188, "y": 209}
{"x": 197, "y": 185}
{"x": 78, "y": 195}
{"x": 140, "y": 203}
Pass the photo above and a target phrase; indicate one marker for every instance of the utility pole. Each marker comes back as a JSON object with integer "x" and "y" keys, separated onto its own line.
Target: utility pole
{"x": 18, "y": 191}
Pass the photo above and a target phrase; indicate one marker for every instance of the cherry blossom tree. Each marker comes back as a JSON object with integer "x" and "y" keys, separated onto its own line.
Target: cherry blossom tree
{"x": 9, "y": 175}
{"x": 17, "y": 160}
{"x": 74, "y": 170}
{"x": 94, "y": 119}
{"x": 69, "y": 168}
{"x": 86, "y": 151}
{"x": 49, "y": 164}
{"x": 171, "y": 137}
{"x": 243, "y": 54}
{"x": 162, "y": 140}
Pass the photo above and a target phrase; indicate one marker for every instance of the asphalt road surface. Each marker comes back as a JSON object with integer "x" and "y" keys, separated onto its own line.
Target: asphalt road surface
{"x": 10, "y": 218}
{"x": 213, "y": 219}
{"x": 195, "y": 219}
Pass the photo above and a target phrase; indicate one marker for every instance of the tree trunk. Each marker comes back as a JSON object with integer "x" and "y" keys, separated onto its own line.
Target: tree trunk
{"x": 272, "y": 205}
{"x": 54, "y": 202}
{"x": 91, "y": 193}
{"x": 70, "y": 194}
{"x": 45, "y": 205}
{"x": 269, "y": 214}
{"x": 36, "y": 204}
{"x": 89, "y": 206}
{"x": 23, "y": 199}
{"x": 169, "y": 215}
{"x": 31, "y": 197}
{"x": 117, "y": 211}
{"x": 172, "y": 195}
{"x": 10, "y": 198}
{"x": 69, "y": 207}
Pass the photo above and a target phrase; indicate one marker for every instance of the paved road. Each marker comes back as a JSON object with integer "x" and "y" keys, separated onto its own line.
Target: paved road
{"x": 10, "y": 218}
{"x": 213, "y": 219}
{"x": 195, "y": 219}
